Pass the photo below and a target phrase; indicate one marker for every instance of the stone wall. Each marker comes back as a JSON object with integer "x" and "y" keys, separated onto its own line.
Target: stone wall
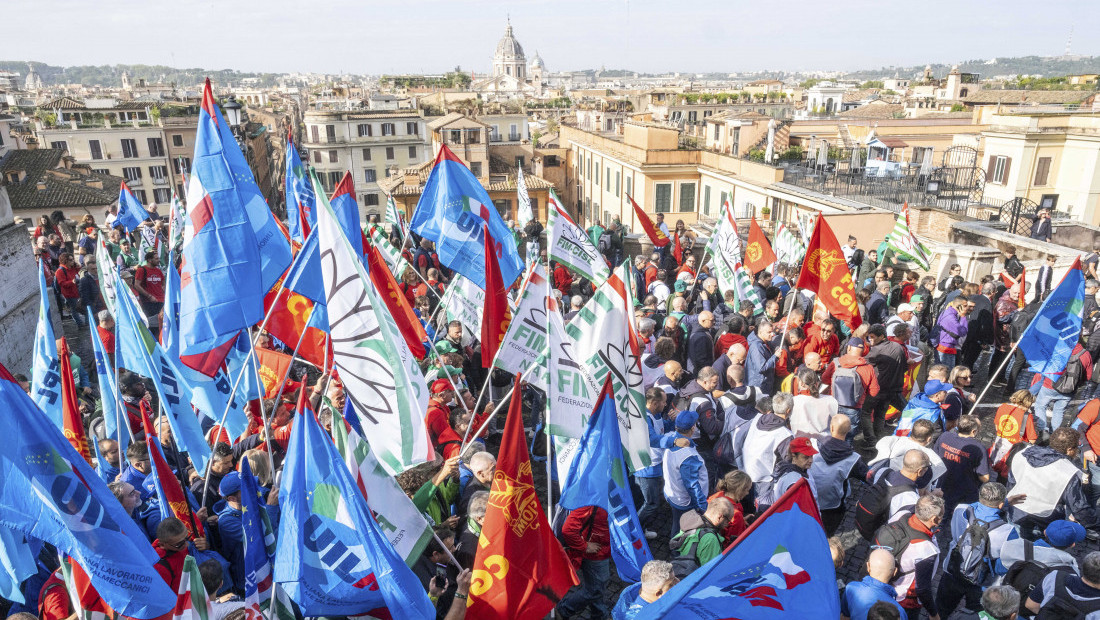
{"x": 933, "y": 223}
{"x": 19, "y": 299}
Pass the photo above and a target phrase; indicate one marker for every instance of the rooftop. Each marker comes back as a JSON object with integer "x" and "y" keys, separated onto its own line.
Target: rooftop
{"x": 46, "y": 183}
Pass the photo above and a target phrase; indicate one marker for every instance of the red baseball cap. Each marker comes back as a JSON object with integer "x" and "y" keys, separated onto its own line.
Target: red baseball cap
{"x": 802, "y": 445}
{"x": 441, "y": 385}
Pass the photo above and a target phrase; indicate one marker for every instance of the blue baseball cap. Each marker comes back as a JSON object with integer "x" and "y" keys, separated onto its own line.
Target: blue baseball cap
{"x": 1064, "y": 533}
{"x": 230, "y": 484}
{"x": 935, "y": 385}
{"x": 686, "y": 420}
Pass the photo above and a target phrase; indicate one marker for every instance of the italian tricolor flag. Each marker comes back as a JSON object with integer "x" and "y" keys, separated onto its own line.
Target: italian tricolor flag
{"x": 793, "y": 574}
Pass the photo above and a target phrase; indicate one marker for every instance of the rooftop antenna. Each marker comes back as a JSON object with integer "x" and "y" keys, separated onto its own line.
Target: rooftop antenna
{"x": 1069, "y": 41}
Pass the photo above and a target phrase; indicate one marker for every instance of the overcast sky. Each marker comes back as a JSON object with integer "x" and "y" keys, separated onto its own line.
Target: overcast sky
{"x": 431, "y": 36}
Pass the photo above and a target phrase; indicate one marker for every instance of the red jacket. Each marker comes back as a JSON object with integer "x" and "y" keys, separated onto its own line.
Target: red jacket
{"x": 170, "y": 564}
{"x": 563, "y": 281}
{"x": 827, "y": 349}
{"x": 863, "y": 369}
{"x": 53, "y": 599}
{"x": 66, "y": 281}
{"x": 442, "y": 436}
{"x": 582, "y": 527}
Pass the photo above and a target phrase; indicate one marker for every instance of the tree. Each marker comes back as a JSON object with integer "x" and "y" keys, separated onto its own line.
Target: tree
{"x": 872, "y": 84}
{"x": 958, "y": 107}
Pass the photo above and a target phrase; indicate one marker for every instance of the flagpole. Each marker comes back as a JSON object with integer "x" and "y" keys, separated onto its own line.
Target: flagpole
{"x": 1000, "y": 368}
{"x": 294, "y": 356}
{"x": 787, "y": 323}
{"x": 454, "y": 385}
{"x": 503, "y": 399}
{"x": 447, "y": 551}
{"x": 263, "y": 410}
{"x": 549, "y": 391}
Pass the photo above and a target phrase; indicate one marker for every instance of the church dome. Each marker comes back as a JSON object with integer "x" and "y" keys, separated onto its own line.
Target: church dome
{"x": 536, "y": 62}
{"x": 509, "y": 47}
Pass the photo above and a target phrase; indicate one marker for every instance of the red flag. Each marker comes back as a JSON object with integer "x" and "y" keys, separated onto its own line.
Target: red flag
{"x": 166, "y": 480}
{"x": 1020, "y": 303}
{"x": 677, "y": 249}
{"x": 826, "y": 273}
{"x": 273, "y": 368}
{"x": 497, "y": 315}
{"x": 72, "y": 421}
{"x": 396, "y": 302}
{"x": 521, "y": 570}
{"x": 758, "y": 253}
{"x": 86, "y": 594}
{"x": 289, "y": 318}
{"x": 656, "y": 235}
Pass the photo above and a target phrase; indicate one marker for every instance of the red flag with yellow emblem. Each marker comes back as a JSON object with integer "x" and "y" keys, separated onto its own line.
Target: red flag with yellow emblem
{"x": 520, "y": 571}
{"x": 169, "y": 490}
{"x": 396, "y": 302}
{"x": 758, "y": 253}
{"x": 655, "y": 234}
{"x": 289, "y": 318}
{"x": 273, "y": 367}
{"x": 497, "y": 316}
{"x": 72, "y": 422}
{"x": 825, "y": 272}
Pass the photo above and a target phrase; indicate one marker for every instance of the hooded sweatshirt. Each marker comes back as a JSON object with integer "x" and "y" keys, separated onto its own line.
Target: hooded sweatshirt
{"x": 920, "y": 407}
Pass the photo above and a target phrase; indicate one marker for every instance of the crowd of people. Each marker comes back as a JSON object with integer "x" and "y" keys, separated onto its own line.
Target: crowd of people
{"x": 742, "y": 401}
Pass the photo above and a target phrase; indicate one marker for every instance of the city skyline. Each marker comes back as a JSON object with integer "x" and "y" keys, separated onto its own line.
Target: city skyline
{"x": 254, "y": 36}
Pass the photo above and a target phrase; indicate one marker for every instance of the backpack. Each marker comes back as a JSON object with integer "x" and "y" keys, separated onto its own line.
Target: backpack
{"x": 687, "y": 560}
{"x": 873, "y": 508}
{"x": 895, "y": 537}
{"x": 1062, "y": 606}
{"x": 894, "y": 298}
{"x": 1027, "y": 574}
{"x": 604, "y": 243}
{"x": 1071, "y": 376}
{"x": 847, "y": 387}
{"x": 970, "y": 556}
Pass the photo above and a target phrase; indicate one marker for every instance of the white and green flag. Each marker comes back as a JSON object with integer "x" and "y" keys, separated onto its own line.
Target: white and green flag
{"x": 405, "y": 526}
{"x": 788, "y": 249}
{"x": 464, "y": 301}
{"x": 390, "y": 254}
{"x": 725, "y": 249}
{"x": 905, "y": 244}
{"x": 394, "y": 218}
{"x": 525, "y": 341}
{"x": 726, "y": 235}
{"x": 606, "y": 342}
{"x": 191, "y": 601}
{"x": 381, "y": 377}
{"x": 523, "y": 205}
{"x": 571, "y": 246}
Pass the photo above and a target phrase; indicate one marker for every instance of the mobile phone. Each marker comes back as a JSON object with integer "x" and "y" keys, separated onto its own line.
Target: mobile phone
{"x": 441, "y": 571}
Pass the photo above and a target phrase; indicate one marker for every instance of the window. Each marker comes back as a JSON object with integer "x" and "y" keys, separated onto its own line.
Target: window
{"x": 999, "y": 166}
{"x": 370, "y": 200}
{"x": 456, "y": 136}
{"x": 370, "y": 175}
{"x": 129, "y": 148}
{"x": 513, "y": 133}
{"x": 412, "y": 153}
{"x": 156, "y": 147}
{"x": 316, "y": 157}
{"x": 60, "y": 145}
{"x": 587, "y": 208}
{"x": 520, "y": 161}
{"x": 607, "y": 176}
{"x": 687, "y": 197}
{"x": 96, "y": 148}
{"x": 313, "y": 133}
{"x": 473, "y": 136}
{"x": 597, "y": 180}
{"x": 629, "y": 186}
{"x": 389, "y": 152}
{"x": 181, "y": 164}
{"x": 330, "y": 133}
{"x": 177, "y": 139}
{"x": 162, "y": 196}
{"x": 159, "y": 174}
{"x": 131, "y": 174}
{"x": 706, "y": 200}
{"x": 140, "y": 193}
{"x": 333, "y": 156}
{"x": 411, "y": 128}
{"x": 1042, "y": 171}
{"x": 366, "y": 154}
{"x": 722, "y": 200}
{"x": 333, "y": 179}
{"x": 663, "y": 197}
{"x": 504, "y": 207}
{"x": 1048, "y": 201}
{"x": 618, "y": 175}
{"x": 364, "y": 130}
{"x": 590, "y": 168}
{"x": 388, "y": 129}
{"x": 475, "y": 168}
{"x": 101, "y": 171}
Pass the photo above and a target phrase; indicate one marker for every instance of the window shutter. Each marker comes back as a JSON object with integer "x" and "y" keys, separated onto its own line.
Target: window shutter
{"x": 990, "y": 168}
{"x": 1008, "y": 167}
{"x": 1042, "y": 171}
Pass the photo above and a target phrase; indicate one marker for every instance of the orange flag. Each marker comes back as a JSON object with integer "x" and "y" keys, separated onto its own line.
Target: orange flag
{"x": 677, "y": 249}
{"x": 758, "y": 253}
{"x": 826, "y": 273}
{"x": 1020, "y": 303}
{"x": 273, "y": 367}
{"x": 497, "y": 315}
{"x": 395, "y": 301}
{"x": 72, "y": 422}
{"x": 520, "y": 571}
{"x": 289, "y": 318}
{"x": 656, "y": 235}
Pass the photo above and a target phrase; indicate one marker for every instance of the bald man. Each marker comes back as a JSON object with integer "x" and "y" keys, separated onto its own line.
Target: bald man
{"x": 834, "y": 465}
{"x": 734, "y": 356}
{"x": 860, "y": 596}
{"x": 700, "y": 345}
{"x": 673, "y": 379}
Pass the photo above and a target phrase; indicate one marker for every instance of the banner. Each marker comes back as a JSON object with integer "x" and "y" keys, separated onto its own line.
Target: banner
{"x": 523, "y": 203}
{"x": 725, "y": 249}
{"x": 45, "y": 377}
{"x": 464, "y": 301}
{"x": 570, "y": 245}
{"x": 825, "y": 272}
{"x": 525, "y": 341}
{"x": 788, "y": 248}
{"x": 1049, "y": 339}
{"x": 758, "y": 253}
{"x": 905, "y": 244}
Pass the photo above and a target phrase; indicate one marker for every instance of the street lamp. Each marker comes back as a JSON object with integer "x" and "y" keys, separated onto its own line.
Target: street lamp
{"x": 232, "y": 113}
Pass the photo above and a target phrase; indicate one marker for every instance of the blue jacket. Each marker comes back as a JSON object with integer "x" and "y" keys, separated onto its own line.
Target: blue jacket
{"x": 876, "y": 308}
{"x": 920, "y": 407}
{"x": 700, "y": 350}
{"x": 760, "y": 364}
{"x": 689, "y": 475}
{"x": 107, "y": 472}
{"x": 629, "y": 604}
{"x": 860, "y": 596}
{"x": 137, "y": 479}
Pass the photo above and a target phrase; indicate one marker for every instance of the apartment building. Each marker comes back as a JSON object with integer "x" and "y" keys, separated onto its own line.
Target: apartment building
{"x": 371, "y": 144}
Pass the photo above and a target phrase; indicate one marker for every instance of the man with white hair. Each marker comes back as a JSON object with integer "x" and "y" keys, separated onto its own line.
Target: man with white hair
{"x": 469, "y": 532}
{"x": 483, "y": 465}
{"x": 576, "y": 302}
{"x": 646, "y": 330}
{"x": 657, "y": 578}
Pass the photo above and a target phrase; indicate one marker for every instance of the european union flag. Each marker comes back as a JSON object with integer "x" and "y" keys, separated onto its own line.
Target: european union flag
{"x": 111, "y": 402}
{"x": 50, "y": 492}
{"x": 451, "y": 213}
{"x": 1048, "y": 341}
{"x": 598, "y": 477}
{"x": 333, "y": 559}
{"x": 131, "y": 213}
{"x": 259, "y": 544}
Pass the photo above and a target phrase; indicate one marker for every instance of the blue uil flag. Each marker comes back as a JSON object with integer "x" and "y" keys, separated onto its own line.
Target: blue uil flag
{"x": 332, "y": 558}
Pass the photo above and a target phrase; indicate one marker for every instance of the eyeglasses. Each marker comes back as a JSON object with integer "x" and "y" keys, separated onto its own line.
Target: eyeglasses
{"x": 179, "y": 544}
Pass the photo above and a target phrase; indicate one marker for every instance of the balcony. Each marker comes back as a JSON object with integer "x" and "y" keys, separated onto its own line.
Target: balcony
{"x": 157, "y": 181}
{"x": 132, "y": 183}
